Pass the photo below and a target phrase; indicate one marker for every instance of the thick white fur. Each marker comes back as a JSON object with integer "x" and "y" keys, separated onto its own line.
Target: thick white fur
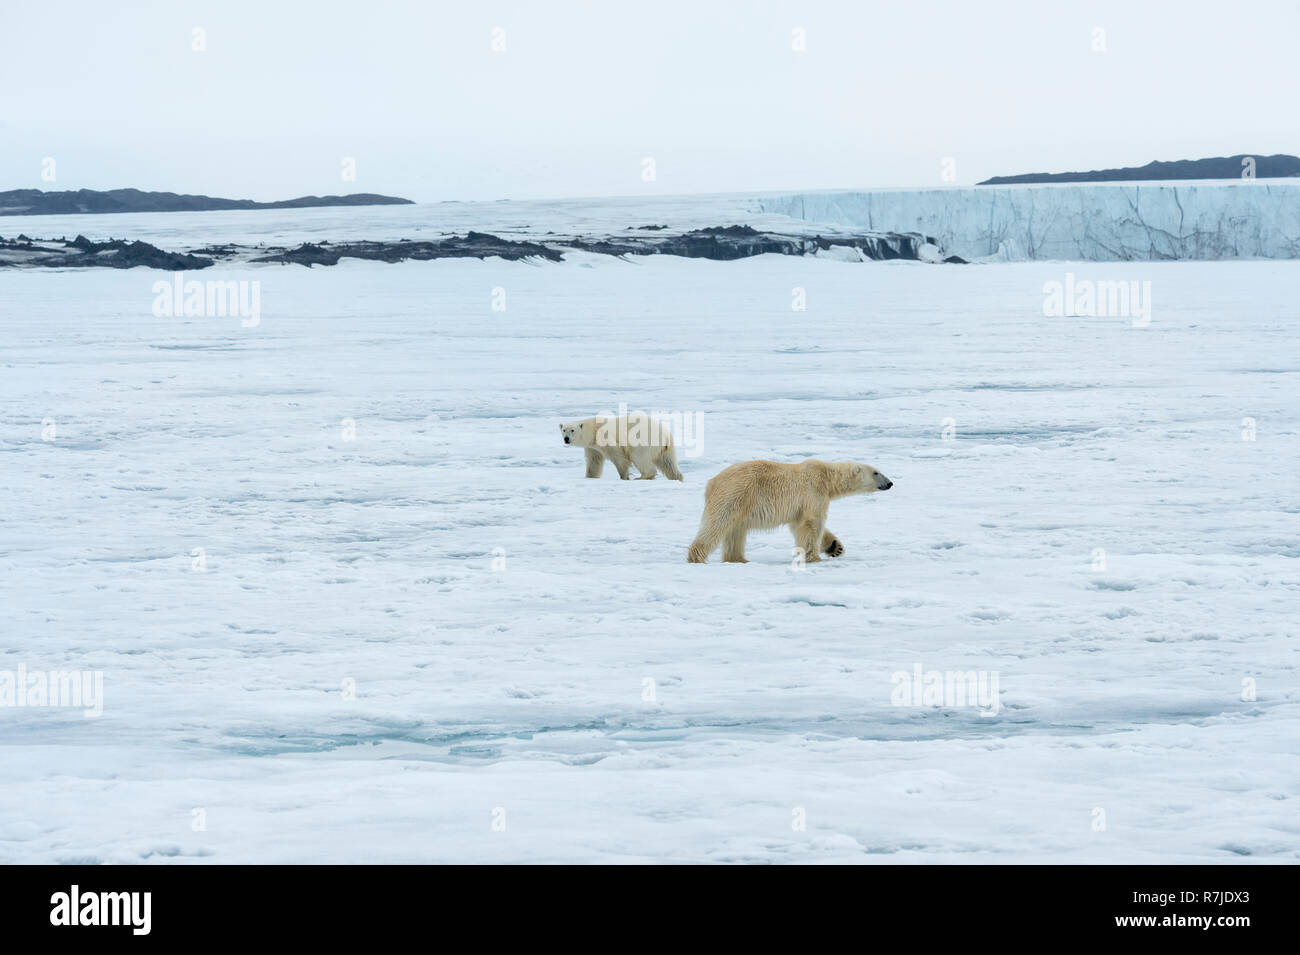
{"x": 758, "y": 495}
{"x": 634, "y": 439}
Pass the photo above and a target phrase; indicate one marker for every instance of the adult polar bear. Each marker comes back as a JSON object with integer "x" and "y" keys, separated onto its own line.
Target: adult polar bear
{"x": 760, "y": 495}
{"x": 627, "y": 440}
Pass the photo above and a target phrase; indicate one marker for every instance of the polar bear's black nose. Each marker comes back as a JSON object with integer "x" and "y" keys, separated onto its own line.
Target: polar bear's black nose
{"x": 887, "y": 485}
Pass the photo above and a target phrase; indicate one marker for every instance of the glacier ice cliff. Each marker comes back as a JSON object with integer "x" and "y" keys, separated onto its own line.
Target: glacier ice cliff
{"x": 1091, "y": 221}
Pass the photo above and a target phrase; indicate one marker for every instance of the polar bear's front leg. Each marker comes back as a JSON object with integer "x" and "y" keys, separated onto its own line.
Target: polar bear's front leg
{"x": 595, "y": 463}
{"x": 831, "y": 545}
{"x": 808, "y": 538}
{"x": 733, "y": 547}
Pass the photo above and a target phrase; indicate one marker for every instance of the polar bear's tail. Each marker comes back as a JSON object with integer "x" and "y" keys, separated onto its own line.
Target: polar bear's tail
{"x": 667, "y": 462}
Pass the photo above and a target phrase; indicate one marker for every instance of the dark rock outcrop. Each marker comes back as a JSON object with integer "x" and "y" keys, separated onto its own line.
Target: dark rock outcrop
{"x": 722, "y": 243}
{"x": 742, "y": 241}
{"x": 83, "y": 253}
{"x": 478, "y": 245}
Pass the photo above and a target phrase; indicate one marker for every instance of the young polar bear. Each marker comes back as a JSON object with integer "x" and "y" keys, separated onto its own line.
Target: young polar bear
{"x": 760, "y": 495}
{"x": 632, "y": 439}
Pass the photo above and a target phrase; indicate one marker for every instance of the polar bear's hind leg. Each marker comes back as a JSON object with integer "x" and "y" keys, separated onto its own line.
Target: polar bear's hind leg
{"x": 717, "y": 523}
{"x": 667, "y": 462}
{"x": 621, "y": 461}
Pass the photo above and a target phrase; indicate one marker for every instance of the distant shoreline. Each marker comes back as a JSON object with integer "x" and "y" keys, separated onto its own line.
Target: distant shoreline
{"x": 1243, "y": 166}
{"x": 36, "y": 202}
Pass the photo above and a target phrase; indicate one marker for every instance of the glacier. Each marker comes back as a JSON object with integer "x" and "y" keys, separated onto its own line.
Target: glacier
{"x": 1098, "y": 222}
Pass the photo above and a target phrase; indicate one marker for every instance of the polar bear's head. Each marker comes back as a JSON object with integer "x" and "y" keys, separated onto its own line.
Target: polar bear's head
{"x": 575, "y": 433}
{"x": 866, "y": 479}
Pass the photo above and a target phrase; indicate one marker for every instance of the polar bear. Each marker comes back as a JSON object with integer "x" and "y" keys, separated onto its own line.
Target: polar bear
{"x": 760, "y": 495}
{"x": 631, "y": 439}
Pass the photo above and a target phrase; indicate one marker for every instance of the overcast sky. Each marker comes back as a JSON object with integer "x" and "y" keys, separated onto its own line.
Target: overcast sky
{"x": 116, "y": 94}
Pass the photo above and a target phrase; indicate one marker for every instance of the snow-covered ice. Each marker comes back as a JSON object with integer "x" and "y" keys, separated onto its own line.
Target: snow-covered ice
{"x": 540, "y": 676}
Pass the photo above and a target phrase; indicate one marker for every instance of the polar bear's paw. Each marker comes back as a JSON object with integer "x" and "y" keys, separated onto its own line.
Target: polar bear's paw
{"x": 834, "y": 548}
